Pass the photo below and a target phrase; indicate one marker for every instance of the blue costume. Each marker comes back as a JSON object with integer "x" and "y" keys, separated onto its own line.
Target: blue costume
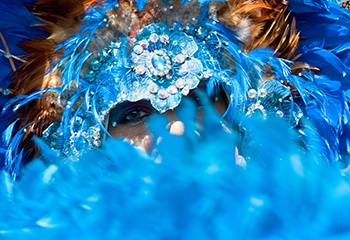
{"x": 288, "y": 111}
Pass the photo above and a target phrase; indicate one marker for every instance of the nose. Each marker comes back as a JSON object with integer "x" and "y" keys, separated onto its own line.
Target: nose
{"x": 175, "y": 126}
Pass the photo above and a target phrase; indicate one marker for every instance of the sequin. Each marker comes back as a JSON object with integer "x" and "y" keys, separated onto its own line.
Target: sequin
{"x": 152, "y": 88}
{"x": 164, "y": 39}
{"x": 185, "y": 91}
{"x": 95, "y": 64}
{"x": 180, "y": 83}
{"x": 138, "y": 49}
{"x": 140, "y": 70}
{"x": 172, "y": 89}
{"x": 180, "y": 58}
{"x": 162, "y": 94}
{"x": 262, "y": 93}
{"x": 279, "y": 113}
{"x": 144, "y": 43}
{"x": 6, "y": 92}
{"x": 252, "y": 93}
{"x": 154, "y": 38}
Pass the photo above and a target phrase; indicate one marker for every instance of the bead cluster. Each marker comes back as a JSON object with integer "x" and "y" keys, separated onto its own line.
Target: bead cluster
{"x": 257, "y": 95}
{"x": 272, "y": 98}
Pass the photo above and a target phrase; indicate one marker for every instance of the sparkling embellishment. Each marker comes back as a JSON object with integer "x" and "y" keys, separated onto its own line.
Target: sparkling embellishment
{"x": 95, "y": 64}
{"x": 114, "y": 124}
{"x": 6, "y": 92}
{"x": 158, "y": 63}
{"x": 207, "y": 74}
{"x": 252, "y": 93}
{"x": 154, "y": 37}
{"x": 164, "y": 39}
{"x": 256, "y": 106}
{"x": 262, "y": 93}
{"x": 162, "y": 94}
{"x": 138, "y": 49}
{"x": 279, "y": 113}
{"x": 180, "y": 58}
{"x": 136, "y": 83}
{"x": 172, "y": 89}
{"x": 180, "y": 83}
{"x": 140, "y": 70}
{"x": 185, "y": 91}
{"x": 152, "y": 88}
{"x": 144, "y": 43}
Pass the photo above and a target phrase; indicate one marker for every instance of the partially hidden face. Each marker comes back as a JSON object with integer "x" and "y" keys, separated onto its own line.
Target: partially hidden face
{"x": 129, "y": 119}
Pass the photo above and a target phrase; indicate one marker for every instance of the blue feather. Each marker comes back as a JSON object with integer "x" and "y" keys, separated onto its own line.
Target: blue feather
{"x": 141, "y": 4}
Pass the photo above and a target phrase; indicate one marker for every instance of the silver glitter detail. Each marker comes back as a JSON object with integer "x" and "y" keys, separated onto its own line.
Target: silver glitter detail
{"x": 138, "y": 49}
{"x": 162, "y": 94}
{"x": 180, "y": 83}
{"x": 262, "y": 93}
{"x": 172, "y": 89}
{"x": 279, "y": 113}
{"x": 185, "y": 91}
{"x": 252, "y": 93}
{"x": 154, "y": 38}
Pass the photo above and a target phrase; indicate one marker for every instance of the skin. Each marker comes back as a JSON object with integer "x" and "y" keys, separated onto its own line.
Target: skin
{"x": 128, "y": 120}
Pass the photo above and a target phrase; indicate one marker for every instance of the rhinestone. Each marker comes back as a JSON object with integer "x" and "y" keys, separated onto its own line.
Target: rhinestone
{"x": 252, "y": 93}
{"x": 172, "y": 89}
{"x": 144, "y": 43}
{"x": 7, "y": 56}
{"x": 114, "y": 124}
{"x": 180, "y": 58}
{"x": 6, "y": 92}
{"x": 138, "y": 49}
{"x": 207, "y": 74}
{"x": 164, "y": 39}
{"x": 159, "y": 62}
{"x": 162, "y": 94}
{"x": 154, "y": 37}
{"x": 279, "y": 113}
{"x": 185, "y": 91}
{"x": 140, "y": 70}
{"x": 262, "y": 93}
{"x": 180, "y": 83}
{"x": 95, "y": 64}
{"x": 152, "y": 88}
{"x": 183, "y": 70}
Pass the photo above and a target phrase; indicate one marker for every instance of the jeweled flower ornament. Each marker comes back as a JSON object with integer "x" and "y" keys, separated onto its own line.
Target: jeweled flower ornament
{"x": 162, "y": 66}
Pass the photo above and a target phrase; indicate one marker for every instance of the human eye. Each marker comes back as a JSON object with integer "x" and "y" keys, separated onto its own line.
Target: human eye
{"x": 130, "y": 114}
{"x": 133, "y": 116}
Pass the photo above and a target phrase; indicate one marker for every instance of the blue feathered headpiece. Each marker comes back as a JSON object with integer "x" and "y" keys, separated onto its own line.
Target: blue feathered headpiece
{"x": 160, "y": 57}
